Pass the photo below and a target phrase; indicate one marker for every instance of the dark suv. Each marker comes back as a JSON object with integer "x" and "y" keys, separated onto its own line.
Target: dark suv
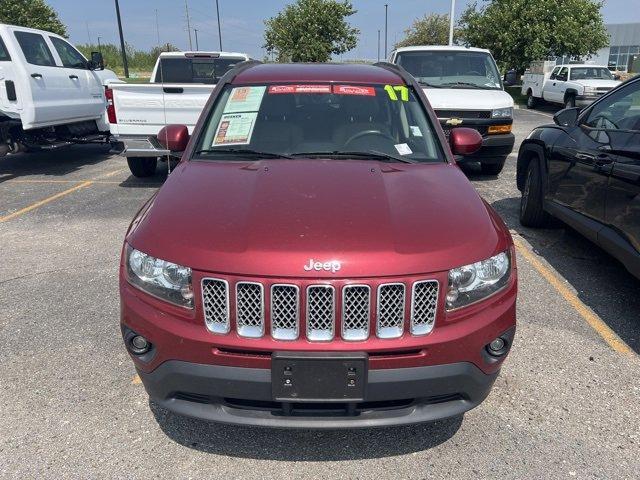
{"x": 585, "y": 170}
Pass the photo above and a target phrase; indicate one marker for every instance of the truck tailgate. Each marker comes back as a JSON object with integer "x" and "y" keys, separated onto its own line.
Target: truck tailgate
{"x": 145, "y": 109}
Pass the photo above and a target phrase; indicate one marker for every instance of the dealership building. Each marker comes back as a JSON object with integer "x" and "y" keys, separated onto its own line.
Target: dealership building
{"x": 623, "y": 54}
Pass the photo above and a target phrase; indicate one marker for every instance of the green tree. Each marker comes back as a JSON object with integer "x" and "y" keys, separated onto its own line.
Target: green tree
{"x": 429, "y": 30}
{"x": 32, "y": 14}
{"x": 521, "y": 31}
{"x": 311, "y": 31}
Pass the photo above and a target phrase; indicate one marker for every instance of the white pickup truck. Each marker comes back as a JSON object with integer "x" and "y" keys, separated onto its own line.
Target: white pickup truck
{"x": 180, "y": 85}
{"x": 464, "y": 88}
{"x": 569, "y": 85}
{"x": 50, "y": 94}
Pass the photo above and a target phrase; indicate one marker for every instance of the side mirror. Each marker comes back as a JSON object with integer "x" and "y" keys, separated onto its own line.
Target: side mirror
{"x": 97, "y": 61}
{"x": 174, "y": 137}
{"x": 567, "y": 117}
{"x": 464, "y": 141}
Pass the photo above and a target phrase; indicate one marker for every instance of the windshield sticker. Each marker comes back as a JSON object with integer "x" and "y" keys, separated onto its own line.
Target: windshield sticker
{"x": 394, "y": 90}
{"x": 403, "y": 149}
{"x": 354, "y": 90}
{"x": 245, "y": 99}
{"x": 274, "y": 89}
{"x": 415, "y": 130}
{"x": 235, "y": 129}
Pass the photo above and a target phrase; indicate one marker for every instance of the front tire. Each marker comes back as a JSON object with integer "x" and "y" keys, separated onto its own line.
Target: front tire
{"x": 493, "y": 168}
{"x": 570, "y": 101}
{"x": 532, "y": 212}
{"x": 142, "y": 167}
{"x": 531, "y": 100}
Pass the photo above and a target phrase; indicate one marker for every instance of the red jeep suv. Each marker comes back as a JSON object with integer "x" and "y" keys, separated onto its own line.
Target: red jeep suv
{"x": 317, "y": 259}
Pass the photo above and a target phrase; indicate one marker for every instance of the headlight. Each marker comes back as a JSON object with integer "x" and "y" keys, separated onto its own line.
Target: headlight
{"x": 165, "y": 280}
{"x": 471, "y": 283}
{"x": 502, "y": 112}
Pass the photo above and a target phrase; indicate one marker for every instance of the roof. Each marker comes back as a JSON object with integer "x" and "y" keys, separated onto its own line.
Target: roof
{"x": 452, "y": 48}
{"x": 203, "y": 53}
{"x": 317, "y": 72}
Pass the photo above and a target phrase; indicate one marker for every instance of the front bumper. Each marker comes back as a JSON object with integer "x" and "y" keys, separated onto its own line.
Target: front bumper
{"x": 242, "y": 396}
{"x": 139, "y": 146}
{"x": 494, "y": 149}
{"x": 586, "y": 100}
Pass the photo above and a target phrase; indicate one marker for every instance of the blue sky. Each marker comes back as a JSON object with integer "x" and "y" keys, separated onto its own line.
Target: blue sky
{"x": 243, "y": 21}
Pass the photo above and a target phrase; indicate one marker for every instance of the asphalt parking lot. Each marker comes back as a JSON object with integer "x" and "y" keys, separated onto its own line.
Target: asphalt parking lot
{"x": 567, "y": 404}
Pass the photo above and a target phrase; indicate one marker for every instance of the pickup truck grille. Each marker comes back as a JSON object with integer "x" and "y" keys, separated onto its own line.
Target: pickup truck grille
{"x": 322, "y": 321}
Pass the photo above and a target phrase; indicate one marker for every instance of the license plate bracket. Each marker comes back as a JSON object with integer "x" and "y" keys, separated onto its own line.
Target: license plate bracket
{"x": 318, "y": 377}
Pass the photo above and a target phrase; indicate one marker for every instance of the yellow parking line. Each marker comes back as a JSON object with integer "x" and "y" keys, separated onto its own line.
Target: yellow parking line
{"x": 594, "y": 321}
{"x": 33, "y": 206}
{"x": 136, "y": 380}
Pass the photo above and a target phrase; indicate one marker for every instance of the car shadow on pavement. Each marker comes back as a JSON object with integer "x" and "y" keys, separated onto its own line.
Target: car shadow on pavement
{"x": 303, "y": 445}
{"x": 55, "y": 163}
{"x": 600, "y": 281}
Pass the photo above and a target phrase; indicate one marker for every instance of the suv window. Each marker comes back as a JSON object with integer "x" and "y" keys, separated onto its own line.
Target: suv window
{"x": 320, "y": 119}
{"x": 194, "y": 70}
{"x": 35, "y": 49}
{"x": 620, "y": 111}
{"x": 4, "y": 55}
{"x": 71, "y": 58}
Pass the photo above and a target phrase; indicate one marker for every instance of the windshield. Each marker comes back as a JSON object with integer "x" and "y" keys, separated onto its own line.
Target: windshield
{"x": 590, "y": 73}
{"x": 194, "y": 70}
{"x": 453, "y": 69}
{"x": 328, "y": 120}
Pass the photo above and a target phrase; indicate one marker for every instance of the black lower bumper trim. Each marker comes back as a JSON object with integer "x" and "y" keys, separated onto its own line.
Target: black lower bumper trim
{"x": 243, "y": 396}
{"x": 494, "y": 149}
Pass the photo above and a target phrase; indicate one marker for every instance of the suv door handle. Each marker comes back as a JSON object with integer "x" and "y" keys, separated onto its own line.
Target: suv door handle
{"x": 36, "y": 75}
{"x": 73, "y": 77}
{"x": 173, "y": 90}
{"x": 602, "y": 160}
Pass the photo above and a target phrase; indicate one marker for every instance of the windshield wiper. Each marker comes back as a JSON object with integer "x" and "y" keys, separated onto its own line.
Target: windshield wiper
{"x": 427, "y": 84}
{"x": 241, "y": 151}
{"x": 371, "y": 154}
{"x": 467, "y": 84}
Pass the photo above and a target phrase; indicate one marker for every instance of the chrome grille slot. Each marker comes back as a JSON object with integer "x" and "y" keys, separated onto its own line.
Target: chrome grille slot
{"x": 285, "y": 312}
{"x": 356, "y": 312}
{"x": 215, "y": 302}
{"x": 320, "y": 312}
{"x": 249, "y": 309}
{"x": 424, "y": 304}
{"x": 390, "y": 311}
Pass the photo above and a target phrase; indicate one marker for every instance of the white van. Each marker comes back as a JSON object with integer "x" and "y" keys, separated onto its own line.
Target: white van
{"x": 464, "y": 88}
{"x": 50, "y": 94}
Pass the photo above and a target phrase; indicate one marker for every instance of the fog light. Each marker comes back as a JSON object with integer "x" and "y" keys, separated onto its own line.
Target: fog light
{"x": 497, "y": 347}
{"x": 139, "y": 345}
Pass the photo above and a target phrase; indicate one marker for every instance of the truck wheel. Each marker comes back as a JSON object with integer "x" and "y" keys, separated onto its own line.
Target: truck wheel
{"x": 531, "y": 100}
{"x": 532, "y": 212}
{"x": 493, "y": 168}
{"x": 142, "y": 166}
{"x": 570, "y": 101}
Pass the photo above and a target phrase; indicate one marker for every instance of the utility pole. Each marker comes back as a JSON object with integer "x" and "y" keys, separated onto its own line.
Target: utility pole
{"x": 99, "y": 46}
{"x": 157, "y": 27}
{"x": 196, "y": 32}
{"x": 124, "y": 53}
{"x": 186, "y": 8}
{"x": 219, "y": 29}
{"x": 451, "y": 18}
{"x": 386, "y": 8}
{"x": 88, "y": 33}
{"x": 378, "y": 44}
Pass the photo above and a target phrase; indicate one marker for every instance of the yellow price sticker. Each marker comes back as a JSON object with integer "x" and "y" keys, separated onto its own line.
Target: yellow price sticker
{"x": 394, "y": 90}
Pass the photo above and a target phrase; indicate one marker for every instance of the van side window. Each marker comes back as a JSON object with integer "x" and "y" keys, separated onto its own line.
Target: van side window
{"x": 4, "y": 55}
{"x": 71, "y": 58}
{"x": 35, "y": 49}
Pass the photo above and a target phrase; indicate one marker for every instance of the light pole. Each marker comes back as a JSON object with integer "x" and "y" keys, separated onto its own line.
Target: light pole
{"x": 451, "y": 18}
{"x": 124, "y": 53}
{"x": 197, "y": 47}
{"x": 219, "y": 29}
{"x": 186, "y": 9}
{"x": 99, "y": 46}
{"x": 386, "y": 8}
{"x": 378, "y": 44}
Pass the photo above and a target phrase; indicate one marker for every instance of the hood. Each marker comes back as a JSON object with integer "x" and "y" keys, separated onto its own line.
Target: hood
{"x": 598, "y": 83}
{"x": 467, "y": 99}
{"x": 270, "y": 218}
